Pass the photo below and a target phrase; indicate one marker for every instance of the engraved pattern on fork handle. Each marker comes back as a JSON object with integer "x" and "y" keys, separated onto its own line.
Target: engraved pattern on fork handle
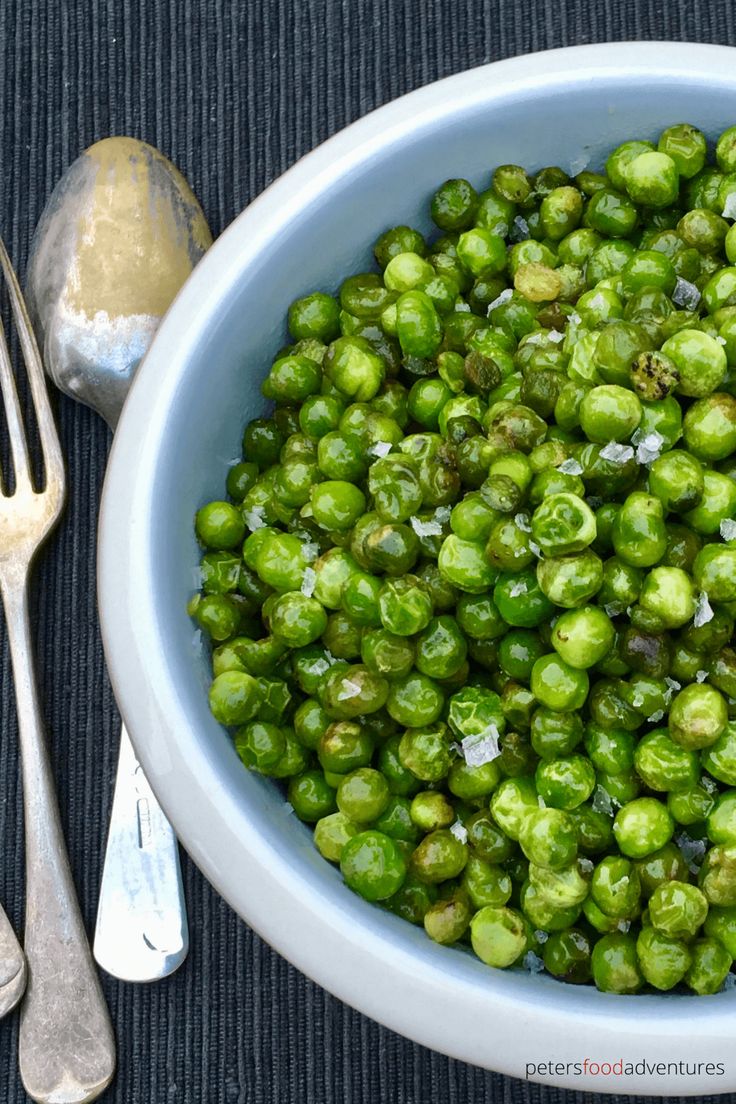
{"x": 141, "y": 932}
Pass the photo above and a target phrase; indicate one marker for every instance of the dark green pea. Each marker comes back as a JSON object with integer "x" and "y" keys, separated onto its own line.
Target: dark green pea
{"x": 518, "y": 651}
{"x": 512, "y": 183}
{"x": 594, "y": 829}
{"x": 611, "y": 213}
{"x": 555, "y": 734}
{"x": 310, "y": 796}
{"x": 240, "y": 478}
{"x": 567, "y": 955}
{"x": 520, "y": 600}
{"x": 665, "y": 865}
{"x": 454, "y": 205}
{"x": 401, "y": 781}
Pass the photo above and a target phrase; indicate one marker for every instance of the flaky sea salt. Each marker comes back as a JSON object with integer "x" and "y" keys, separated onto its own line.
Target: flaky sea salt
{"x": 727, "y": 529}
{"x": 442, "y": 514}
{"x": 586, "y": 865}
{"x": 656, "y": 716}
{"x": 481, "y": 748}
{"x": 648, "y": 446}
{"x": 517, "y": 588}
{"x": 729, "y": 207}
{"x": 541, "y": 802}
{"x": 623, "y": 925}
{"x": 459, "y": 831}
{"x": 197, "y": 643}
{"x": 520, "y": 229}
{"x": 310, "y": 551}
{"x": 703, "y": 610}
{"x": 617, "y": 453}
{"x": 379, "y": 448}
{"x": 532, "y": 962}
{"x": 693, "y": 851}
{"x": 431, "y": 528}
{"x": 502, "y": 297}
{"x": 602, "y": 801}
{"x": 701, "y": 676}
{"x": 575, "y": 318}
{"x": 534, "y": 547}
{"x": 309, "y": 582}
{"x": 196, "y": 577}
{"x": 254, "y": 518}
{"x": 461, "y": 306}
{"x": 348, "y": 690}
{"x": 721, "y": 340}
{"x": 570, "y": 467}
{"x": 709, "y": 784}
{"x": 541, "y": 936}
{"x": 613, "y": 609}
{"x": 555, "y": 337}
{"x": 729, "y": 982}
{"x": 521, "y": 521}
{"x": 685, "y": 294}
{"x": 578, "y": 164}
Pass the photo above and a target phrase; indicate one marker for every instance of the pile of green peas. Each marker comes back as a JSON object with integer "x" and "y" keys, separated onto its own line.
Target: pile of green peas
{"x": 471, "y": 595}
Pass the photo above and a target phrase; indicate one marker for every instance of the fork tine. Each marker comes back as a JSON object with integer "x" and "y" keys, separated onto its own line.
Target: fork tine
{"x": 50, "y": 443}
{"x": 13, "y": 418}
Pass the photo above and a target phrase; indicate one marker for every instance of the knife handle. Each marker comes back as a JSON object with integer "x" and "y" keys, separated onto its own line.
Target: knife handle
{"x": 141, "y": 932}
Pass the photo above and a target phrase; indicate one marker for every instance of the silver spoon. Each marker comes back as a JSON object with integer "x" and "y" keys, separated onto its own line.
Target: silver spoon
{"x": 118, "y": 237}
{"x": 13, "y": 970}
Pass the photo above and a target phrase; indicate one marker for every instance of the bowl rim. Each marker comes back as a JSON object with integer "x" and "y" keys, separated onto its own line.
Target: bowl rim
{"x": 147, "y": 695}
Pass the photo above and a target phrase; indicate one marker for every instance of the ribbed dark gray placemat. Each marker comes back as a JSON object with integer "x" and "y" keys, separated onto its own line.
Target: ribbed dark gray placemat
{"x": 233, "y": 92}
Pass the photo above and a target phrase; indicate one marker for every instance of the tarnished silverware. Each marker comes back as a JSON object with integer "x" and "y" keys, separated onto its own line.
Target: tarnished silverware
{"x": 13, "y": 971}
{"x": 67, "y": 1051}
{"x": 118, "y": 237}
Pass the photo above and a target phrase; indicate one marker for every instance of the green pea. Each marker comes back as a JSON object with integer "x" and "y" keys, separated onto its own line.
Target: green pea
{"x": 351, "y": 691}
{"x": 615, "y": 964}
{"x": 717, "y": 877}
{"x": 354, "y": 368}
{"x": 581, "y": 637}
{"x": 677, "y": 909}
{"x": 498, "y": 935}
{"x": 463, "y": 563}
{"x": 700, "y": 362}
{"x": 709, "y": 967}
{"x": 663, "y": 961}
{"x": 446, "y": 921}
{"x": 426, "y": 752}
{"x": 642, "y": 826}
{"x": 570, "y": 581}
{"x": 611, "y": 213}
{"x": 296, "y": 619}
{"x": 219, "y": 525}
{"x": 548, "y": 837}
{"x": 415, "y": 700}
{"x": 512, "y": 801}
{"x": 615, "y": 887}
{"x": 372, "y": 865}
{"x": 234, "y": 698}
{"x": 652, "y": 179}
{"x": 698, "y": 716}
{"x": 664, "y": 764}
{"x": 566, "y": 782}
{"x": 639, "y": 535}
{"x": 520, "y": 599}
{"x": 439, "y": 857}
{"x": 563, "y": 523}
{"x": 567, "y": 955}
{"x": 557, "y": 685}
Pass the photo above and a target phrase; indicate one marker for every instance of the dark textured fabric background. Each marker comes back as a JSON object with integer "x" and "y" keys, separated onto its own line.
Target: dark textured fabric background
{"x": 233, "y": 92}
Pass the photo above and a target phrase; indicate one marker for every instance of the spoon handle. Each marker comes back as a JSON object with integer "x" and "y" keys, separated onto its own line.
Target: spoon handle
{"x": 141, "y": 932}
{"x": 12, "y": 967}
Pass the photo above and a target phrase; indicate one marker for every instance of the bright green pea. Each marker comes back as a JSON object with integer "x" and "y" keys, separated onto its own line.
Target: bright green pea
{"x": 698, "y": 716}
{"x": 669, "y": 594}
{"x": 557, "y": 685}
{"x": 234, "y": 698}
{"x": 415, "y": 700}
{"x": 548, "y": 837}
{"x": 464, "y": 564}
{"x": 372, "y": 865}
{"x": 563, "y": 523}
{"x": 639, "y": 535}
{"x": 582, "y": 637}
{"x": 700, "y": 361}
{"x": 354, "y": 368}
{"x": 663, "y": 961}
{"x": 709, "y": 427}
{"x": 642, "y": 826}
{"x": 677, "y": 909}
{"x": 652, "y": 179}
{"x": 615, "y": 887}
{"x": 566, "y": 782}
{"x": 570, "y": 581}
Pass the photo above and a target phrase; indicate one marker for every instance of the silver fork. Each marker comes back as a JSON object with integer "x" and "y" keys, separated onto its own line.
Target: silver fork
{"x": 67, "y": 1050}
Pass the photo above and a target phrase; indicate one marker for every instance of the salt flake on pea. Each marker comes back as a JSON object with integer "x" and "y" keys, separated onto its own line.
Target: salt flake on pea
{"x": 703, "y": 611}
{"x": 459, "y": 831}
{"x": 570, "y": 467}
{"x": 617, "y": 453}
{"x": 685, "y": 294}
{"x": 727, "y": 529}
{"x": 481, "y": 748}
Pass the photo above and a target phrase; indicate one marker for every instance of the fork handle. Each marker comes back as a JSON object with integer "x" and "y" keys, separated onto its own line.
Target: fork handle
{"x": 142, "y": 932}
{"x": 67, "y": 1048}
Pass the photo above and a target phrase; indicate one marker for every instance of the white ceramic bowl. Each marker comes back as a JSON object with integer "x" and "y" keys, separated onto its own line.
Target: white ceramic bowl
{"x": 181, "y": 427}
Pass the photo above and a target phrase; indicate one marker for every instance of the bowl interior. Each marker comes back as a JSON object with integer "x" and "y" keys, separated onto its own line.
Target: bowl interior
{"x": 200, "y": 385}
